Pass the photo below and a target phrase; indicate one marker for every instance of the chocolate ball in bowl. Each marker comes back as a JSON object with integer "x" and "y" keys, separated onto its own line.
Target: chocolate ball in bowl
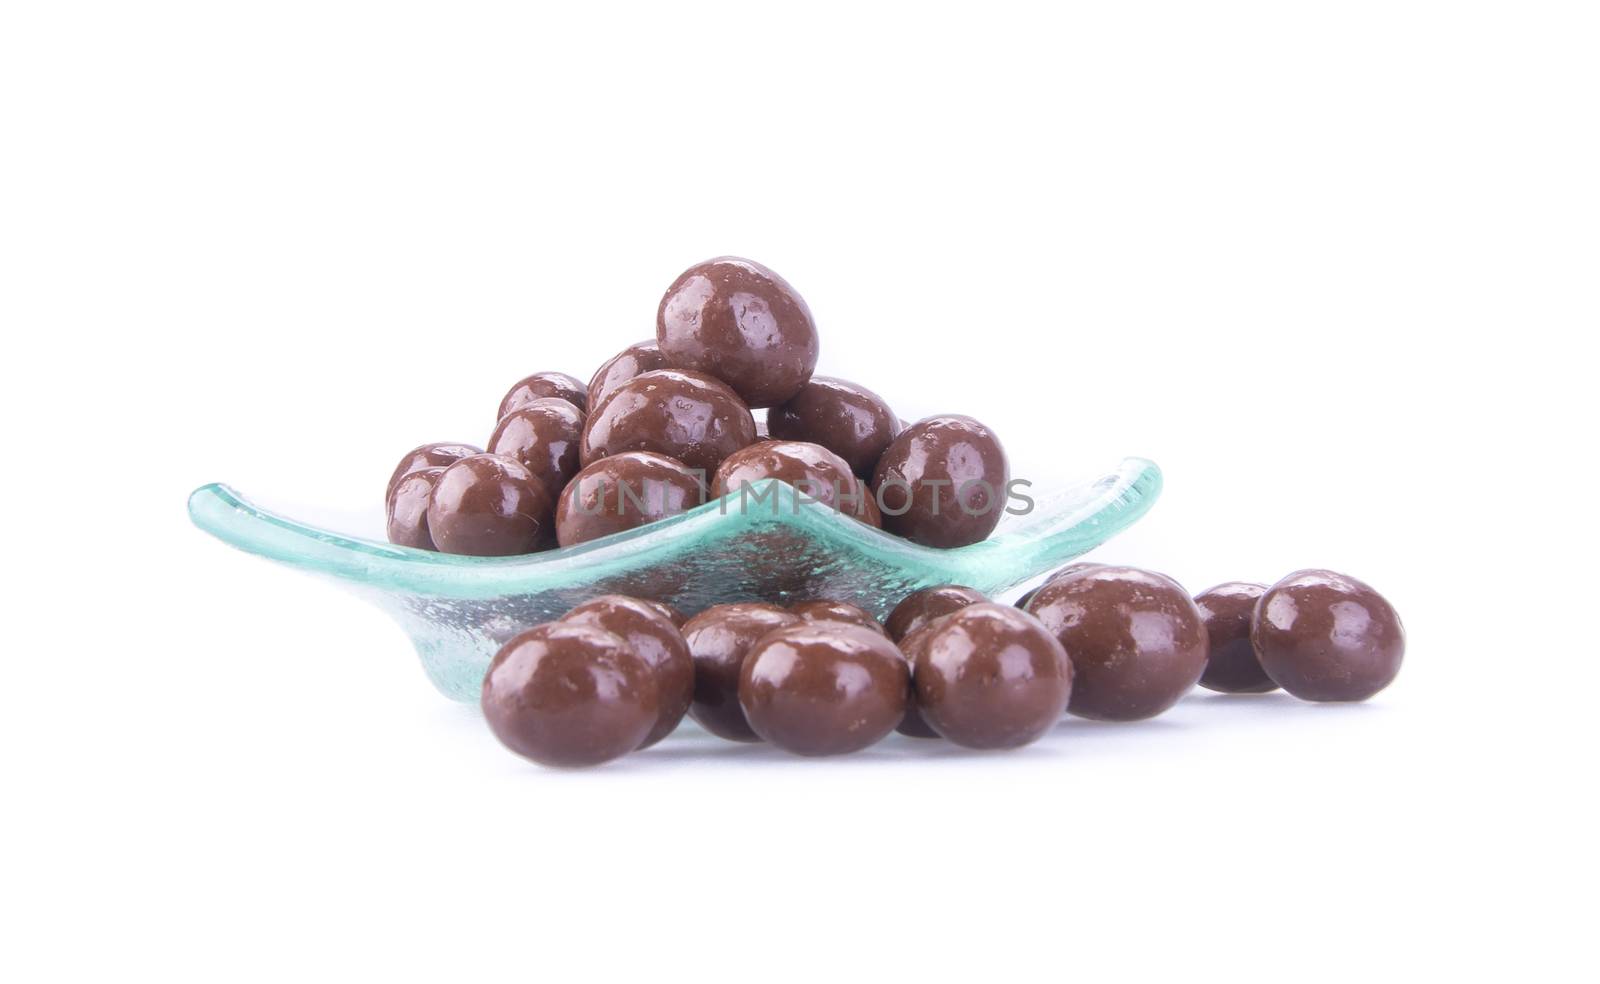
{"x": 657, "y": 640}
{"x": 685, "y": 415}
{"x": 817, "y": 473}
{"x": 640, "y": 357}
{"x": 545, "y": 386}
{"x": 851, "y": 421}
{"x": 490, "y": 506}
{"x": 672, "y": 615}
{"x": 921, "y": 607}
{"x": 407, "y": 509}
{"x": 740, "y": 322}
{"x": 823, "y": 688}
{"x": 990, "y": 676}
{"x": 1325, "y": 636}
{"x": 544, "y": 436}
{"x": 622, "y": 492}
{"x": 823, "y": 610}
{"x": 1232, "y": 667}
{"x": 719, "y": 638}
{"x": 570, "y": 694}
{"x": 1136, "y": 640}
{"x": 943, "y": 482}
{"x": 429, "y": 456}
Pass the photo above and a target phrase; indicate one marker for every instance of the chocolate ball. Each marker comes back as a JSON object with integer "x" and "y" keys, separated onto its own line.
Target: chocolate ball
{"x": 1232, "y": 667}
{"x": 653, "y": 637}
{"x": 429, "y": 456}
{"x": 1325, "y": 636}
{"x": 489, "y": 506}
{"x": 912, "y": 725}
{"x": 923, "y": 606}
{"x": 1066, "y": 571}
{"x": 942, "y": 482}
{"x": 570, "y": 694}
{"x": 817, "y": 473}
{"x": 1135, "y": 638}
{"x": 823, "y": 688}
{"x": 622, "y": 492}
{"x": 545, "y": 386}
{"x": 684, "y": 415}
{"x": 407, "y": 509}
{"x": 851, "y": 421}
{"x": 718, "y": 639}
{"x": 989, "y": 676}
{"x": 544, "y": 436}
{"x": 640, "y": 357}
{"x": 823, "y": 610}
{"x": 741, "y": 323}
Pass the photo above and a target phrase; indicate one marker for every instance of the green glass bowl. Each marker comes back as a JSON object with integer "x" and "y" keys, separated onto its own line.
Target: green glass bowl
{"x": 459, "y": 610}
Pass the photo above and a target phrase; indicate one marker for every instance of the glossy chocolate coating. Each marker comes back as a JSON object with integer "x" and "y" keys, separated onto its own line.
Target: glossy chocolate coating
{"x": 913, "y": 725}
{"x": 1066, "y": 571}
{"x": 946, "y": 478}
{"x": 653, "y": 637}
{"x": 851, "y": 421}
{"x": 742, "y": 323}
{"x": 407, "y": 509}
{"x": 544, "y": 436}
{"x": 490, "y": 506}
{"x": 685, "y": 415}
{"x": 989, "y": 676}
{"x": 718, "y": 639}
{"x": 429, "y": 456}
{"x": 1232, "y": 667}
{"x": 621, "y": 492}
{"x": 1325, "y": 636}
{"x": 823, "y": 610}
{"x": 1135, "y": 638}
{"x": 823, "y": 688}
{"x": 545, "y": 386}
{"x": 816, "y": 472}
{"x": 923, "y": 606}
{"x": 569, "y": 694}
{"x": 630, "y": 362}
{"x": 674, "y": 616}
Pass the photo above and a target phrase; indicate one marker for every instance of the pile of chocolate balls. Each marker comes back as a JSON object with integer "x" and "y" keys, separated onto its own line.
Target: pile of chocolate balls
{"x": 616, "y": 674}
{"x": 665, "y": 424}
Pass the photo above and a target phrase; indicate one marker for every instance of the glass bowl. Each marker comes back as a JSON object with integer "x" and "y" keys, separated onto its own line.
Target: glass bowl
{"x": 781, "y": 547}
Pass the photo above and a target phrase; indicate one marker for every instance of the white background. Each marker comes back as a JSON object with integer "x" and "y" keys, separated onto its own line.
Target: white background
{"x": 1333, "y": 267}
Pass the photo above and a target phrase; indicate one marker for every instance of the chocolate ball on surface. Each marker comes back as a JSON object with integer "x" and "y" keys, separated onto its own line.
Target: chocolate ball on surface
{"x": 622, "y": 492}
{"x": 989, "y": 676}
{"x": 816, "y": 472}
{"x": 823, "y": 610}
{"x": 490, "y": 506}
{"x": 545, "y": 386}
{"x": 823, "y": 688}
{"x": 1232, "y": 667}
{"x": 924, "y": 606}
{"x": 719, "y": 639}
{"x": 570, "y": 694}
{"x": 429, "y": 456}
{"x": 544, "y": 436}
{"x": 1135, "y": 638}
{"x": 851, "y": 421}
{"x": 1327, "y": 637}
{"x": 943, "y": 482}
{"x": 684, "y": 415}
{"x": 407, "y": 509}
{"x": 742, "y": 323}
{"x": 640, "y": 357}
{"x": 654, "y": 638}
